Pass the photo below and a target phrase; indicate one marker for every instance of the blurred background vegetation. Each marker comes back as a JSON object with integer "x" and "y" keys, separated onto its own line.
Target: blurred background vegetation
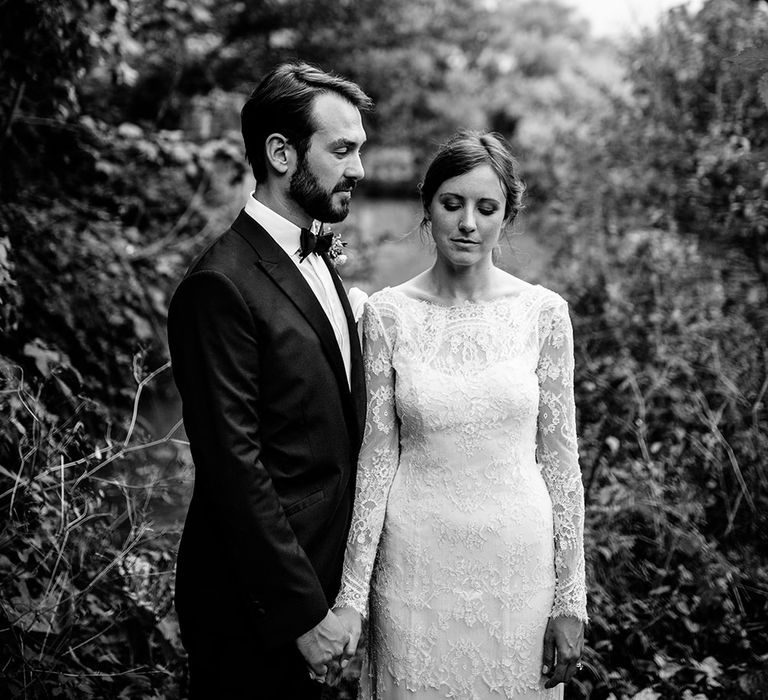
{"x": 647, "y": 167}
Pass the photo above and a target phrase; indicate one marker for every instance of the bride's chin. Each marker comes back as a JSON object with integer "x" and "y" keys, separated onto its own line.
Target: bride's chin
{"x": 461, "y": 259}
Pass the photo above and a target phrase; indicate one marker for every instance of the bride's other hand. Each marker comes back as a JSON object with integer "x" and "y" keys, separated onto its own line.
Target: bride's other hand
{"x": 563, "y": 645}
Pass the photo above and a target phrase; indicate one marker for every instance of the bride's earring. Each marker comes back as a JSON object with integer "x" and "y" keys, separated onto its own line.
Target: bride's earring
{"x": 425, "y": 229}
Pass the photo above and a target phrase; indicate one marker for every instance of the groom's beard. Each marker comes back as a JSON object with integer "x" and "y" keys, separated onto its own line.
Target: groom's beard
{"x": 307, "y": 192}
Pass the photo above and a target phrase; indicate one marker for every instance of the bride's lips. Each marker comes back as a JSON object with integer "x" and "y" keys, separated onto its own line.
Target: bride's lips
{"x": 464, "y": 241}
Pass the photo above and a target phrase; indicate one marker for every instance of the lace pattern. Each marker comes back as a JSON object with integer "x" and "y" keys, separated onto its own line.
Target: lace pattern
{"x": 467, "y": 526}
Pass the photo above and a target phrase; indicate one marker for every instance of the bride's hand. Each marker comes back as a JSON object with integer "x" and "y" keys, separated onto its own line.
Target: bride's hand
{"x": 563, "y": 644}
{"x": 352, "y": 622}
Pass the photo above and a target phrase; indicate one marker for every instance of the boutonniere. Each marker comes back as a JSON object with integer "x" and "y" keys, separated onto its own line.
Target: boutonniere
{"x": 336, "y": 252}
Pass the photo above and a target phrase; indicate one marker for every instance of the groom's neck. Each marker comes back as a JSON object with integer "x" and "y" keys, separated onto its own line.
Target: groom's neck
{"x": 278, "y": 200}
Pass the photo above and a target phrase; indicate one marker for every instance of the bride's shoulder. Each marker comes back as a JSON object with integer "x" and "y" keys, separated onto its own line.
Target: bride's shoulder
{"x": 381, "y": 299}
{"x": 394, "y": 297}
{"x": 414, "y": 288}
{"x": 509, "y": 285}
{"x": 383, "y": 303}
{"x": 536, "y": 297}
{"x": 549, "y": 298}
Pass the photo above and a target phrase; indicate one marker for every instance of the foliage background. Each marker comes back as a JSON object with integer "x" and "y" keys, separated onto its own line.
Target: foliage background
{"x": 647, "y": 167}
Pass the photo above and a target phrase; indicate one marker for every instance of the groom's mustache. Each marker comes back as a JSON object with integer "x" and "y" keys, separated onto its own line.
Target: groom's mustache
{"x": 345, "y": 184}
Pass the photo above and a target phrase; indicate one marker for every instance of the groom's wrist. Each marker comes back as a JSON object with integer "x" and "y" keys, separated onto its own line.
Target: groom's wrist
{"x": 285, "y": 623}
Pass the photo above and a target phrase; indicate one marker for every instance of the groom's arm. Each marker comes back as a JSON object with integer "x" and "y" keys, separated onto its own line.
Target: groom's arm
{"x": 215, "y": 355}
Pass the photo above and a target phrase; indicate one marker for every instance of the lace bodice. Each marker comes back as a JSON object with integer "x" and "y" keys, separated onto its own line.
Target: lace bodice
{"x": 456, "y": 344}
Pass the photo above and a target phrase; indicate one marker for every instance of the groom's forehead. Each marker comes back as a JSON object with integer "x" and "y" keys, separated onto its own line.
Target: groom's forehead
{"x": 334, "y": 117}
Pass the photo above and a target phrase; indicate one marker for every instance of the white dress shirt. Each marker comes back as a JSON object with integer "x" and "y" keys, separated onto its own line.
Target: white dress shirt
{"x": 314, "y": 270}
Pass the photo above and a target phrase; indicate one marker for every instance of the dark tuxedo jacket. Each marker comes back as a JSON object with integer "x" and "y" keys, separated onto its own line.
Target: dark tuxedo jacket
{"x": 274, "y": 432}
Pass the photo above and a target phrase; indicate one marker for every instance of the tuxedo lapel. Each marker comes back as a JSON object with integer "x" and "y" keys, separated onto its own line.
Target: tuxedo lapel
{"x": 281, "y": 269}
{"x": 357, "y": 378}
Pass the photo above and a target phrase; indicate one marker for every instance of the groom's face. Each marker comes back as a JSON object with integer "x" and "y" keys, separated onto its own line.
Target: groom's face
{"x": 325, "y": 177}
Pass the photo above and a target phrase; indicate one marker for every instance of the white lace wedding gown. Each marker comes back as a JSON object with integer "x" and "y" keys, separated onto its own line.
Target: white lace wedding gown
{"x": 467, "y": 526}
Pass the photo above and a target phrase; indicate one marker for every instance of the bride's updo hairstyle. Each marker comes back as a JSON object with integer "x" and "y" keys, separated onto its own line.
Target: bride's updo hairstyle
{"x": 465, "y": 151}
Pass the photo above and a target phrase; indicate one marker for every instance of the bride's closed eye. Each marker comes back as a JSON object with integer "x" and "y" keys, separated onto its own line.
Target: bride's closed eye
{"x": 485, "y": 207}
{"x": 451, "y": 203}
{"x": 485, "y": 211}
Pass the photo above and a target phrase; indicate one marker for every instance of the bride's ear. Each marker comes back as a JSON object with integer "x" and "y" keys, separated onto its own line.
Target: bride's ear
{"x": 280, "y": 154}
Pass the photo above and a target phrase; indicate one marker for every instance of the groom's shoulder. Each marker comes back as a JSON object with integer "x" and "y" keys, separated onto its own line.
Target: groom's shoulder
{"x": 228, "y": 254}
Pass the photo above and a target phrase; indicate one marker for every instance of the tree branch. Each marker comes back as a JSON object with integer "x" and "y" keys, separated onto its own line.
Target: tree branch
{"x": 17, "y": 97}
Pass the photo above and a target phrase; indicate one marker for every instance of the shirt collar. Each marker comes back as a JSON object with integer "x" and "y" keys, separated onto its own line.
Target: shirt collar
{"x": 286, "y": 234}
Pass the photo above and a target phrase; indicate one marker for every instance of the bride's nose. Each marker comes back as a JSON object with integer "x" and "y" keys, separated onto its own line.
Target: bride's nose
{"x": 467, "y": 223}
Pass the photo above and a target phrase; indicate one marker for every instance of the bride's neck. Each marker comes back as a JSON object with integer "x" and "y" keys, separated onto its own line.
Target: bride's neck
{"x": 462, "y": 283}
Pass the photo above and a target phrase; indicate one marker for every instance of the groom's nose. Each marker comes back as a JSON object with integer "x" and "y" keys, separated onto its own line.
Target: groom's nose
{"x": 355, "y": 168}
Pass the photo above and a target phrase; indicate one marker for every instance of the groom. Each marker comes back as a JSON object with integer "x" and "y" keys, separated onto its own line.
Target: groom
{"x": 268, "y": 365}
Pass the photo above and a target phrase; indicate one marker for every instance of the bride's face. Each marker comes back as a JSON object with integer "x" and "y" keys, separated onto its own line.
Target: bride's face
{"x": 467, "y": 214}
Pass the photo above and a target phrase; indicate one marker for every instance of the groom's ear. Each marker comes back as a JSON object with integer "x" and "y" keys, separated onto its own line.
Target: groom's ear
{"x": 281, "y": 155}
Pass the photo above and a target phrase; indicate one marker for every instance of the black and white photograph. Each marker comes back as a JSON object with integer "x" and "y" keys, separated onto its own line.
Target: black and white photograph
{"x": 384, "y": 350}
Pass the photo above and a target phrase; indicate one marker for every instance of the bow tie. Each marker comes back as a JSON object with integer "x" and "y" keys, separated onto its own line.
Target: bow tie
{"x": 314, "y": 243}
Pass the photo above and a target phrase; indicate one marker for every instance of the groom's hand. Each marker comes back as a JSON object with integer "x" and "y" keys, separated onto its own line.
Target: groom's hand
{"x": 353, "y": 623}
{"x": 323, "y": 645}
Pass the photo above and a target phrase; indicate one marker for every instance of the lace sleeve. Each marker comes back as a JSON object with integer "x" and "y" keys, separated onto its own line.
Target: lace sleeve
{"x": 558, "y": 457}
{"x": 379, "y": 457}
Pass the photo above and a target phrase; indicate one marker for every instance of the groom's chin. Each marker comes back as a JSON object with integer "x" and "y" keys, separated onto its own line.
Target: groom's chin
{"x": 338, "y": 213}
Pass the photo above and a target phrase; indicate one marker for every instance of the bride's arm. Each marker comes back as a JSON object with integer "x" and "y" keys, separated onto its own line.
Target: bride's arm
{"x": 559, "y": 459}
{"x": 379, "y": 457}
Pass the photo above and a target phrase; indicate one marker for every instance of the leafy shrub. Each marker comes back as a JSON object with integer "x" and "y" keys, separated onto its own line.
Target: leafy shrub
{"x": 664, "y": 220}
{"x": 671, "y": 385}
{"x": 85, "y": 582}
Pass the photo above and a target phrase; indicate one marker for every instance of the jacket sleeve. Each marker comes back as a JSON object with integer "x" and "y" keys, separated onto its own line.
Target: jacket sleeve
{"x": 215, "y": 357}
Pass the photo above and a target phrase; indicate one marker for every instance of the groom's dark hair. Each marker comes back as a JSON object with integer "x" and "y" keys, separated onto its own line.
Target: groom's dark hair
{"x": 282, "y": 103}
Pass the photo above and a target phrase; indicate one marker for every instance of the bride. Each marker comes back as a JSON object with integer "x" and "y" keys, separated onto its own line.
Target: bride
{"x": 465, "y": 551}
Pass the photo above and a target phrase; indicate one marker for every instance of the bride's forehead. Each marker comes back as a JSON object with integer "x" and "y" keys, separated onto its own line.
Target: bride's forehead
{"x": 480, "y": 181}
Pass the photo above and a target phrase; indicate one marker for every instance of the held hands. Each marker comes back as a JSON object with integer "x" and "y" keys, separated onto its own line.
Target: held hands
{"x": 353, "y": 623}
{"x": 322, "y": 647}
{"x": 563, "y": 644}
